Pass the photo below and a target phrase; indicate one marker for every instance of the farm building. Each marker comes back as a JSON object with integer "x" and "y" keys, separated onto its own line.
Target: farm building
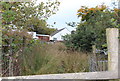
{"x": 55, "y": 36}
{"x": 42, "y": 37}
{"x": 58, "y": 35}
{"x": 33, "y": 35}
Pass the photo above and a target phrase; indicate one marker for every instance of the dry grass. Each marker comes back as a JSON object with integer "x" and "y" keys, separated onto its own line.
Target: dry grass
{"x": 53, "y": 58}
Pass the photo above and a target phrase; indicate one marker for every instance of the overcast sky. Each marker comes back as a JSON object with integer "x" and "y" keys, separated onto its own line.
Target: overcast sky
{"x": 68, "y": 10}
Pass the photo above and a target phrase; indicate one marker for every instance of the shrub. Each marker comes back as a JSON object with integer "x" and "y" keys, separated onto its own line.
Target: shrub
{"x": 52, "y": 58}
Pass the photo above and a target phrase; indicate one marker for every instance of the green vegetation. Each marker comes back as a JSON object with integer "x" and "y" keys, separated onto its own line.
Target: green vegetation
{"x": 91, "y": 29}
{"x": 28, "y": 15}
{"x": 52, "y": 58}
{"x": 35, "y": 57}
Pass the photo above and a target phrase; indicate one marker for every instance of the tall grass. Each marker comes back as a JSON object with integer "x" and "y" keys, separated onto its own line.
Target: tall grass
{"x": 52, "y": 58}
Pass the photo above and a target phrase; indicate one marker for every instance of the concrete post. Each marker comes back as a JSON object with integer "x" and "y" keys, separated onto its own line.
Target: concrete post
{"x": 95, "y": 57}
{"x": 119, "y": 43}
{"x": 113, "y": 50}
{"x": 10, "y": 59}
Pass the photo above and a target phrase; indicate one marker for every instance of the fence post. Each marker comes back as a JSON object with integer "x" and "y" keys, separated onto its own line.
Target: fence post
{"x": 11, "y": 58}
{"x": 95, "y": 57}
{"x": 113, "y": 50}
{"x": 0, "y": 61}
{"x": 0, "y": 42}
{"x": 0, "y": 55}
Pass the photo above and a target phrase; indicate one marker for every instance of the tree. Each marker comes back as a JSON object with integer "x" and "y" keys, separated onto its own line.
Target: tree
{"x": 27, "y": 15}
{"x": 91, "y": 30}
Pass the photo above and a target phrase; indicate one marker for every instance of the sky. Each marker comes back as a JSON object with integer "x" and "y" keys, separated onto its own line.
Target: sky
{"x": 68, "y": 11}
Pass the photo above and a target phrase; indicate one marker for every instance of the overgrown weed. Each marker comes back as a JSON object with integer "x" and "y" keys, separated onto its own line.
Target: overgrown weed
{"x": 53, "y": 58}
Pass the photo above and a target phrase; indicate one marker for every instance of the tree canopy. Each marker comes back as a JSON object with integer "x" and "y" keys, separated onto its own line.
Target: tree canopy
{"x": 28, "y": 15}
{"x": 91, "y": 28}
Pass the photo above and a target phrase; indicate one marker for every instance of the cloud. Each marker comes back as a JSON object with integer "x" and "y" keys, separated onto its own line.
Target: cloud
{"x": 68, "y": 10}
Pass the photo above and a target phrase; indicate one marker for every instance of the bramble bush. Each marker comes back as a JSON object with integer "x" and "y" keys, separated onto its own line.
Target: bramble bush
{"x": 15, "y": 38}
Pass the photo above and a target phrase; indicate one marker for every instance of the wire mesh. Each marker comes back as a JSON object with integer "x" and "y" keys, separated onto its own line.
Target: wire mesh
{"x": 11, "y": 60}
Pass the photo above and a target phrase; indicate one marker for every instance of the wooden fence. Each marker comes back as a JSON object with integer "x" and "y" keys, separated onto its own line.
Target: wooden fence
{"x": 98, "y": 60}
{"x": 113, "y": 64}
{"x": 101, "y": 64}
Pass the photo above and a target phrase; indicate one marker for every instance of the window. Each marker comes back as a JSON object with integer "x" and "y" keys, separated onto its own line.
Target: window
{"x": 55, "y": 39}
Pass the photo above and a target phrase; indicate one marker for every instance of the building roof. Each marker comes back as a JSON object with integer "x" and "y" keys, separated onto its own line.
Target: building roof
{"x": 42, "y": 35}
{"x": 57, "y": 31}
